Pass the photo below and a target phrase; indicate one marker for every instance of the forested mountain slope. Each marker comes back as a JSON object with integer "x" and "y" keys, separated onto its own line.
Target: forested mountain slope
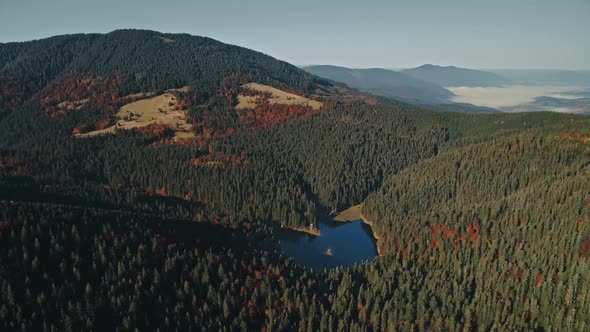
{"x": 133, "y": 61}
{"x": 506, "y": 221}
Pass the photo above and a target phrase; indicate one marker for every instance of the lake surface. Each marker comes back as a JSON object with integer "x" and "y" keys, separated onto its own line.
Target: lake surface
{"x": 350, "y": 242}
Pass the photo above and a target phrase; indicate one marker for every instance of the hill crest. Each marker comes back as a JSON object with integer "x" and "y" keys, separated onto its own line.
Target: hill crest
{"x": 384, "y": 82}
{"x": 452, "y": 76}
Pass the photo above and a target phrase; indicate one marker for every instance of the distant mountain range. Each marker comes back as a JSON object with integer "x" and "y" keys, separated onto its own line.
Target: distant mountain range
{"x": 454, "y": 76}
{"x": 545, "y": 77}
{"x": 562, "y": 105}
{"x": 384, "y": 82}
{"x": 431, "y": 84}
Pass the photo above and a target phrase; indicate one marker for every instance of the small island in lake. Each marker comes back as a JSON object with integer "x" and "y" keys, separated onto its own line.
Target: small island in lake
{"x": 330, "y": 252}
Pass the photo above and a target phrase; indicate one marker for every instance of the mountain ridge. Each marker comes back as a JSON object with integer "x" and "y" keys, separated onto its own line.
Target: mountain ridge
{"x": 452, "y": 76}
{"x": 384, "y": 82}
{"x": 145, "y": 61}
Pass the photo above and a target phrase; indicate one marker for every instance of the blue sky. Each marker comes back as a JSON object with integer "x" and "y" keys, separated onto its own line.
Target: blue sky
{"x": 392, "y": 34}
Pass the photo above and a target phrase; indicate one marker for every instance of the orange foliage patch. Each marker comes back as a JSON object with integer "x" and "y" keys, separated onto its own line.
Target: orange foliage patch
{"x": 158, "y": 130}
{"x": 102, "y": 124}
{"x": 84, "y": 128}
{"x": 265, "y": 115}
{"x": 230, "y": 86}
{"x": 471, "y": 234}
{"x": 360, "y": 307}
{"x": 18, "y": 165}
{"x": 206, "y": 127}
{"x": 579, "y": 138}
{"x": 72, "y": 91}
{"x": 443, "y": 232}
{"x": 472, "y": 229}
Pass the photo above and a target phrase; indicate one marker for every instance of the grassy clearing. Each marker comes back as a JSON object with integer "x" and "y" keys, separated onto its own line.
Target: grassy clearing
{"x": 72, "y": 105}
{"x": 167, "y": 40}
{"x": 277, "y": 97}
{"x": 353, "y": 213}
{"x": 142, "y": 113}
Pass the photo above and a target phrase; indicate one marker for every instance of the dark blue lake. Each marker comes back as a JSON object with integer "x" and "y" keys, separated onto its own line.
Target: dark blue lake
{"x": 349, "y": 243}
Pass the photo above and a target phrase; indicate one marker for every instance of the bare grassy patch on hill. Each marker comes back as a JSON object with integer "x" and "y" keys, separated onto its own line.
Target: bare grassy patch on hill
{"x": 353, "y": 213}
{"x": 274, "y": 96}
{"x": 162, "y": 109}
